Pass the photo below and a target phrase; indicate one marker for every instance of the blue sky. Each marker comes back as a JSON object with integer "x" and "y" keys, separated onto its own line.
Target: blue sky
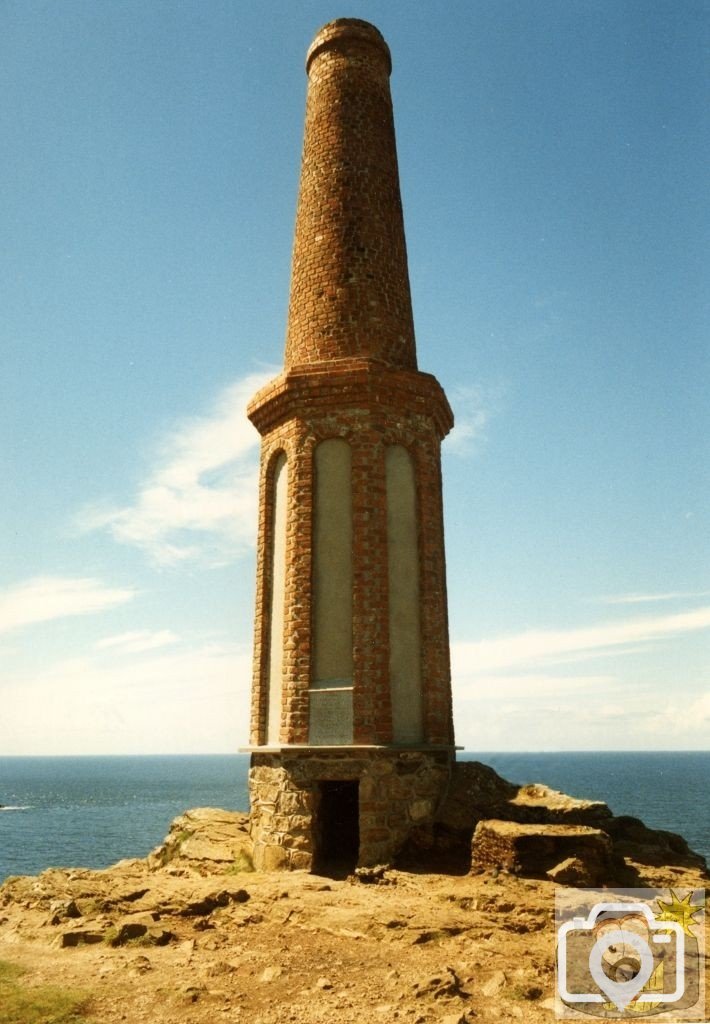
{"x": 553, "y": 166}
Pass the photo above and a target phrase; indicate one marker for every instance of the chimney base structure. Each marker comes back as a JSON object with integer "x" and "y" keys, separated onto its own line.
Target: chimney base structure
{"x": 351, "y": 731}
{"x": 324, "y": 808}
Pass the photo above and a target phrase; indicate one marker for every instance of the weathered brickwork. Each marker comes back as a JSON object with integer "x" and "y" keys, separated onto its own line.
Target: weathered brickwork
{"x": 350, "y": 373}
{"x": 349, "y": 285}
{"x": 374, "y": 417}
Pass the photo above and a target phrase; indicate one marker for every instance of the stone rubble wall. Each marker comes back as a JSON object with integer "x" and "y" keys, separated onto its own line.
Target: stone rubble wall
{"x": 398, "y": 791}
{"x": 538, "y": 851}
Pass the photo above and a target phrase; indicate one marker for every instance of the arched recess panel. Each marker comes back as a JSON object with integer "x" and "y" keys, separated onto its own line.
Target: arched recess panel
{"x": 403, "y": 586}
{"x": 279, "y": 494}
{"x": 331, "y": 715}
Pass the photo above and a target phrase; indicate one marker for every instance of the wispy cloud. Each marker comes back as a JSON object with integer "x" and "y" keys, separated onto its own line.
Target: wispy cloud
{"x": 680, "y": 718}
{"x": 535, "y": 646}
{"x": 190, "y": 699}
{"x": 530, "y": 690}
{"x": 199, "y": 501}
{"x": 641, "y": 720}
{"x": 474, "y": 407}
{"x": 671, "y": 595}
{"x": 524, "y": 685}
{"x": 55, "y": 597}
{"x": 137, "y": 641}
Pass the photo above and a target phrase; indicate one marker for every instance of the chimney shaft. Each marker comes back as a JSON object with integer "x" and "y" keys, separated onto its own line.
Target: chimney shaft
{"x": 349, "y": 288}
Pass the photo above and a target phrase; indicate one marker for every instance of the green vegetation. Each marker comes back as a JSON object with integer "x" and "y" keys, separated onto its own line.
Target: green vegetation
{"x": 529, "y": 992}
{"x": 242, "y": 862}
{"x": 20, "y": 1004}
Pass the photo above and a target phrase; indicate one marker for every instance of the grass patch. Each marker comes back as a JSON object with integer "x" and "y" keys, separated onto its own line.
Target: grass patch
{"x": 45, "y": 1005}
{"x": 529, "y": 992}
{"x": 242, "y": 862}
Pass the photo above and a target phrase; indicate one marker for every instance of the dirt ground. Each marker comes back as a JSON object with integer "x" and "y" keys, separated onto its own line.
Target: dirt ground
{"x": 194, "y": 940}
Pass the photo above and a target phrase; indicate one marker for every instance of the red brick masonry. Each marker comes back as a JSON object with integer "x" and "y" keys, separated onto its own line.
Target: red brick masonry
{"x": 350, "y": 373}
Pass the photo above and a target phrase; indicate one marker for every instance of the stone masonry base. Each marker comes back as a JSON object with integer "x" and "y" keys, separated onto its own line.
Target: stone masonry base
{"x": 398, "y": 790}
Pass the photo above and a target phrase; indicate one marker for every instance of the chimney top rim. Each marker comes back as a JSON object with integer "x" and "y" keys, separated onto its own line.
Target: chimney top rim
{"x": 348, "y": 28}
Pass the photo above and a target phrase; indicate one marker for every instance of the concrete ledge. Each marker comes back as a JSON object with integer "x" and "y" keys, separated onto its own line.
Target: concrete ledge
{"x": 299, "y": 748}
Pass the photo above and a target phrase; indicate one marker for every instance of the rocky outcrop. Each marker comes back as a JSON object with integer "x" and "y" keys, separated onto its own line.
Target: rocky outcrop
{"x": 195, "y": 872}
{"x": 478, "y": 796}
{"x": 206, "y": 838}
{"x": 652, "y": 846}
{"x": 478, "y": 792}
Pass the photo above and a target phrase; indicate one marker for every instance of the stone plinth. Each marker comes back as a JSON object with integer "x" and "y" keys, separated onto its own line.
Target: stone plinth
{"x": 397, "y": 790}
{"x": 535, "y": 850}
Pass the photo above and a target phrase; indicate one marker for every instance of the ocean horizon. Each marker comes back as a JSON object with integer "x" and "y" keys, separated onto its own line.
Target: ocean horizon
{"x": 91, "y": 811}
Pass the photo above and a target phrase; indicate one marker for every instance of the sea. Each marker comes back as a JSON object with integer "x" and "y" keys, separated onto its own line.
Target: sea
{"x": 94, "y": 811}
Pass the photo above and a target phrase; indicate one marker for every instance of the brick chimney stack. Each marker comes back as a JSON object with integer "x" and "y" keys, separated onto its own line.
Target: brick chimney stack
{"x": 351, "y": 729}
{"x": 349, "y": 286}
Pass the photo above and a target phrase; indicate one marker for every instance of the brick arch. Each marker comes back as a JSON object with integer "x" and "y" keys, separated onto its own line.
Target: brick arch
{"x": 422, "y": 442}
{"x": 264, "y": 678}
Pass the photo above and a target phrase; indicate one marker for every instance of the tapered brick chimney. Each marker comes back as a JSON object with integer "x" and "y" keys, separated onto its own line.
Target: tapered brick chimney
{"x": 350, "y": 286}
{"x": 351, "y": 730}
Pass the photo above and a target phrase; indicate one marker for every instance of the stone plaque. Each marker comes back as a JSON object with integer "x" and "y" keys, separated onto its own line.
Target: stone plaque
{"x": 331, "y": 716}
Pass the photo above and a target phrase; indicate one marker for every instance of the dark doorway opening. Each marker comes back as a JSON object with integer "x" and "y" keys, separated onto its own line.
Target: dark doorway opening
{"x": 337, "y": 828}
